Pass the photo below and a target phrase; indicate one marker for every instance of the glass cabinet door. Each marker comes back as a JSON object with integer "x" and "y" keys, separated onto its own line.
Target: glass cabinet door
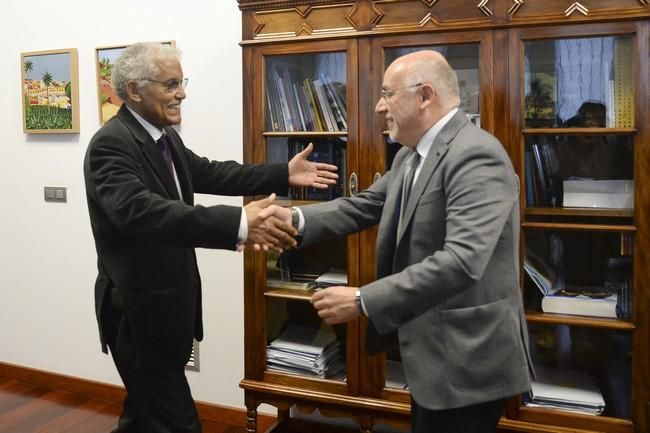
{"x": 304, "y": 95}
{"x": 579, "y": 83}
{"x": 306, "y": 92}
{"x": 582, "y": 91}
{"x": 577, "y": 146}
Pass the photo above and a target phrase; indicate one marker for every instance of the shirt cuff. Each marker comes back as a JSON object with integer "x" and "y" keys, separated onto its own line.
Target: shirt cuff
{"x": 301, "y": 221}
{"x": 242, "y": 234}
{"x": 363, "y": 306}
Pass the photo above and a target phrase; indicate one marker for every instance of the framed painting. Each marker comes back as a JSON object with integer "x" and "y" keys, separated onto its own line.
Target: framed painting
{"x": 50, "y": 83}
{"x": 108, "y": 100}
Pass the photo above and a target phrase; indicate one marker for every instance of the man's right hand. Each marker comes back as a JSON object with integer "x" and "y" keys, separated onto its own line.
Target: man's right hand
{"x": 268, "y": 226}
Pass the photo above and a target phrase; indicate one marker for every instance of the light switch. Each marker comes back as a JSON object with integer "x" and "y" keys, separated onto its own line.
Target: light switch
{"x": 56, "y": 194}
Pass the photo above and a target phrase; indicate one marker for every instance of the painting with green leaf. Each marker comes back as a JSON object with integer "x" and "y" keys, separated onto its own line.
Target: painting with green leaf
{"x": 50, "y": 91}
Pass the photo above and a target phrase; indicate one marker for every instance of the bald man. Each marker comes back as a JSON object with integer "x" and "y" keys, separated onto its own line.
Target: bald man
{"x": 447, "y": 254}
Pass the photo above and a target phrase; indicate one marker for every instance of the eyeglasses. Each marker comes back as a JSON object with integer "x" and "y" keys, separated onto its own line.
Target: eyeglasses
{"x": 387, "y": 94}
{"x": 170, "y": 85}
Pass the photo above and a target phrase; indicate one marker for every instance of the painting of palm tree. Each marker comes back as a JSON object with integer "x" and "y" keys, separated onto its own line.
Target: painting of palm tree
{"x": 28, "y": 67}
{"x": 47, "y": 81}
{"x": 50, "y": 91}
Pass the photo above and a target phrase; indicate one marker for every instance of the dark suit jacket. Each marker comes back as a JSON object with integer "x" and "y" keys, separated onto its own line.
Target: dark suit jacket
{"x": 448, "y": 277}
{"x": 145, "y": 234}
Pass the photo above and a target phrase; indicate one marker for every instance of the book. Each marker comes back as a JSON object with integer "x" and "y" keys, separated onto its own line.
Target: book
{"x": 276, "y": 283}
{"x": 543, "y": 275}
{"x": 324, "y": 106}
{"x": 333, "y": 277}
{"x": 580, "y": 305}
{"x": 609, "y": 194}
{"x": 530, "y": 183}
{"x": 313, "y": 105}
{"x": 540, "y": 176}
{"x": 549, "y": 159}
{"x": 339, "y": 116}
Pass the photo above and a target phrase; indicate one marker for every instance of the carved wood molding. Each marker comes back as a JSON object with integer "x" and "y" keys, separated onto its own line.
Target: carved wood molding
{"x": 576, "y": 7}
{"x": 483, "y": 8}
{"x": 515, "y": 7}
{"x": 351, "y": 16}
{"x": 283, "y": 19}
{"x": 266, "y": 4}
{"x": 419, "y": 15}
{"x": 303, "y": 21}
{"x": 429, "y": 20}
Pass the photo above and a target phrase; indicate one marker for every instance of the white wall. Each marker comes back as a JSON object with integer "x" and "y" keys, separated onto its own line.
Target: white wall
{"x": 47, "y": 256}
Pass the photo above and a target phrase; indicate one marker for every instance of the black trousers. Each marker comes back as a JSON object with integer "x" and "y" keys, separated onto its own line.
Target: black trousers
{"x": 158, "y": 400}
{"x": 477, "y": 418}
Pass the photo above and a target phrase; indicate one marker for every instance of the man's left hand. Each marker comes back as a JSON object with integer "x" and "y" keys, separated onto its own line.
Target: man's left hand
{"x": 303, "y": 172}
{"x": 336, "y": 304}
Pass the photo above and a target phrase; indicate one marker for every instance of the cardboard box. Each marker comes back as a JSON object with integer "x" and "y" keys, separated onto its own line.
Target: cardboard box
{"x": 610, "y": 194}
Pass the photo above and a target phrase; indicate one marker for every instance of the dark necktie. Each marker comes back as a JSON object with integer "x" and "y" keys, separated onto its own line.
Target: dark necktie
{"x": 407, "y": 182}
{"x": 163, "y": 141}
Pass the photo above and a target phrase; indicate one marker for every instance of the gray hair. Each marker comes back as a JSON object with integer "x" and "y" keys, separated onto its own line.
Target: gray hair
{"x": 442, "y": 76}
{"x": 140, "y": 61}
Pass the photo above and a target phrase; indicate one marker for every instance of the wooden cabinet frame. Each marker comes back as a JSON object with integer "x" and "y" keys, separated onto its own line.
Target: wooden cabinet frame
{"x": 363, "y": 29}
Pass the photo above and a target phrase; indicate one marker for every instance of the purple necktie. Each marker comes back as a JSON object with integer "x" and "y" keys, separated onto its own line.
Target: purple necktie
{"x": 167, "y": 153}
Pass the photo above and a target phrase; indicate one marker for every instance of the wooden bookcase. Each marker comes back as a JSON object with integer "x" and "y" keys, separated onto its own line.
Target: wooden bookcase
{"x": 568, "y": 81}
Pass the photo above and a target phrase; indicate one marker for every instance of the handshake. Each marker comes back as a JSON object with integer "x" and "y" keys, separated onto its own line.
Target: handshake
{"x": 269, "y": 226}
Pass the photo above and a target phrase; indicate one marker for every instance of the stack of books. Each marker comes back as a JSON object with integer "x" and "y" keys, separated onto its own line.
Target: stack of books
{"x": 566, "y": 390}
{"x": 305, "y": 350}
{"x": 333, "y": 277}
{"x": 611, "y": 300}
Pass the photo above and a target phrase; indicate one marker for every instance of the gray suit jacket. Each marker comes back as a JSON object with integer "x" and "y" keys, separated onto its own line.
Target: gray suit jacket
{"x": 448, "y": 281}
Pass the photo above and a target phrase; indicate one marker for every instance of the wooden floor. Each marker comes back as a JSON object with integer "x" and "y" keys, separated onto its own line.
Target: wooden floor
{"x": 27, "y": 408}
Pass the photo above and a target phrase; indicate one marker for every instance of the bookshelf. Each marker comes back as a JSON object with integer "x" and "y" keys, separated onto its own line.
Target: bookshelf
{"x": 569, "y": 135}
{"x": 563, "y": 89}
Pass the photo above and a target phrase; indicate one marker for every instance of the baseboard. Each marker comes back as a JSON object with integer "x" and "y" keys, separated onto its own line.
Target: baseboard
{"x": 105, "y": 391}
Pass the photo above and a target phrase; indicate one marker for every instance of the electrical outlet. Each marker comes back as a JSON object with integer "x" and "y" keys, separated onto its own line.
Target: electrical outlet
{"x": 56, "y": 194}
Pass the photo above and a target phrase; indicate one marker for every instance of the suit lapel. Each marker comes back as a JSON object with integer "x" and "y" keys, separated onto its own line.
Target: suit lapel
{"x": 390, "y": 217}
{"x": 436, "y": 153}
{"x": 151, "y": 151}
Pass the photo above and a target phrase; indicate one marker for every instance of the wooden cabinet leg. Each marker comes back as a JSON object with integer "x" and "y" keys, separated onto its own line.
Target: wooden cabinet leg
{"x": 365, "y": 424}
{"x": 283, "y": 414}
{"x": 251, "y": 420}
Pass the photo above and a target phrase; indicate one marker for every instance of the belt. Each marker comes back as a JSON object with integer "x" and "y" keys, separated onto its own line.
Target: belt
{"x": 116, "y": 299}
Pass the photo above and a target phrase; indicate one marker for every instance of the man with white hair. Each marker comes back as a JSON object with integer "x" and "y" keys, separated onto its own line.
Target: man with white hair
{"x": 140, "y": 182}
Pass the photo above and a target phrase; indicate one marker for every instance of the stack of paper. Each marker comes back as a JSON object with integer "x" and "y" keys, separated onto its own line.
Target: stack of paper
{"x": 333, "y": 277}
{"x": 304, "y": 350}
{"x": 570, "y": 391}
{"x": 395, "y": 377}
